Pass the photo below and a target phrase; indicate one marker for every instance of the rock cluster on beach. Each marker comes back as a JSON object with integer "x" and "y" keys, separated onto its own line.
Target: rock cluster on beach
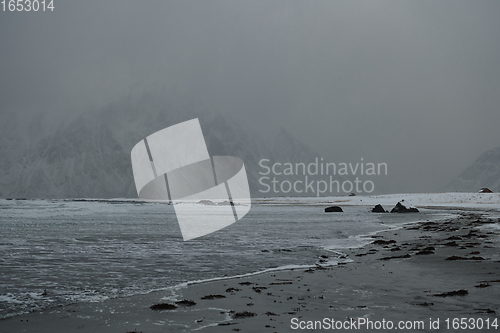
{"x": 399, "y": 208}
{"x": 402, "y": 208}
{"x": 378, "y": 209}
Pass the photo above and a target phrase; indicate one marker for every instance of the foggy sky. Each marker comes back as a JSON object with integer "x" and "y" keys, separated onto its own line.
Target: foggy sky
{"x": 415, "y": 84}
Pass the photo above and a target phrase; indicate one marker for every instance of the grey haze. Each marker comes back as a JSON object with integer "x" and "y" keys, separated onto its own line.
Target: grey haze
{"x": 414, "y": 84}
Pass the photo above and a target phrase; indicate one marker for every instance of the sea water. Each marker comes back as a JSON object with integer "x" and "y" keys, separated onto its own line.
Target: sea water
{"x": 60, "y": 252}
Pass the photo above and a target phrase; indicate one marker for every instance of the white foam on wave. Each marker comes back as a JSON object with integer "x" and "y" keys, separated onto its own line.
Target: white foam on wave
{"x": 10, "y": 299}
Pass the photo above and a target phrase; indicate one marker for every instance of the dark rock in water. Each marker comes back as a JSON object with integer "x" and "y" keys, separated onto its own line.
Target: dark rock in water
{"x": 400, "y": 208}
{"x": 483, "y": 285}
{"x": 461, "y": 292}
{"x": 405, "y": 256}
{"x": 485, "y": 190}
{"x": 212, "y": 297}
{"x": 163, "y": 306}
{"x": 352, "y": 194}
{"x": 424, "y": 251}
{"x": 333, "y": 209}
{"x": 378, "y": 209}
{"x": 384, "y": 242}
{"x": 464, "y": 258}
{"x": 424, "y": 304}
{"x": 244, "y": 314}
{"x": 186, "y": 303}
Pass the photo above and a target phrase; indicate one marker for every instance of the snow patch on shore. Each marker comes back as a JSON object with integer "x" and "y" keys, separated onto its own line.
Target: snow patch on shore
{"x": 436, "y": 200}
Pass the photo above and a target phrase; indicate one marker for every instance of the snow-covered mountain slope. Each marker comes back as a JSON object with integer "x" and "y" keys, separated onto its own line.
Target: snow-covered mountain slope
{"x": 89, "y": 155}
{"x": 80, "y": 159}
{"x": 484, "y": 172}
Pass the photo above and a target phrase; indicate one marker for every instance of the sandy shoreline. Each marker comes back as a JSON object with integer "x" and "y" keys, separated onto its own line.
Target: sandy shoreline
{"x": 403, "y": 276}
